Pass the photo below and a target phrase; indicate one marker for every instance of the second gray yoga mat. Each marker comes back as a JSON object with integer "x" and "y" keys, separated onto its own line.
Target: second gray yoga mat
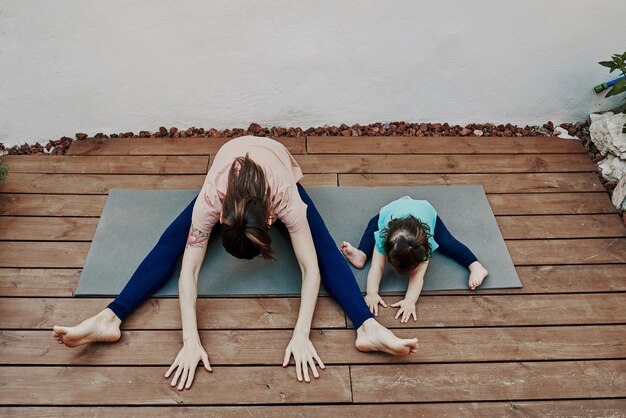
{"x": 133, "y": 220}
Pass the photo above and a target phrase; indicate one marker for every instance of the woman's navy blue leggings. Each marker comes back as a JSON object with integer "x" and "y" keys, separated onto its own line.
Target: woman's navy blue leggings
{"x": 448, "y": 245}
{"x": 155, "y": 270}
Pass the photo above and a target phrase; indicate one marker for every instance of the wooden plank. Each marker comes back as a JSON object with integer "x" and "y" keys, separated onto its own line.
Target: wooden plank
{"x": 561, "y": 279}
{"x": 253, "y": 313}
{"x": 38, "y": 282}
{"x": 164, "y": 313}
{"x": 441, "y": 145}
{"x": 512, "y": 409}
{"x": 568, "y": 251}
{"x": 243, "y": 347}
{"x": 66, "y": 164}
{"x": 96, "y": 183}
{"x": 511, "y": 310}
{"x": 51, "y": 205}
{"x": 451, "y": 163}
{"x": 536, "y": 279}
{"x": 561, "y": 226}
{"x": 128, "y": 385}
{"x": 102, "y": 183}
{"x": 43, "y": 254}
{"x": 501, "y": 204}
{"x": 502, "y": 183}
{"x": 31, "y": 228}
{"x": 551, "y": 203}
{"x": 488, "y": 381}
{"x": 165, "y": 146}
{"x": 320, "y": 180}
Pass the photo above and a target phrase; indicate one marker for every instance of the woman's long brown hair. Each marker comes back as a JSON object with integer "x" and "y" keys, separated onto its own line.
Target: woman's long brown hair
{"x": 245, "y": 211}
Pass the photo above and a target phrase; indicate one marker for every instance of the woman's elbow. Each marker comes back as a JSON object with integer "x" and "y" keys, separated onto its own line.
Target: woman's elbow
{"x": 311, "y": 273}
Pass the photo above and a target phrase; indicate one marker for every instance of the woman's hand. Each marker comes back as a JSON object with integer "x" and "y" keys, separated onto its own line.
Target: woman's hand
{"x": 372, "y": 302}
{"x": 407, "y": 310}
{"x": 305, "y": 356}
{"x": 186, "y": 361}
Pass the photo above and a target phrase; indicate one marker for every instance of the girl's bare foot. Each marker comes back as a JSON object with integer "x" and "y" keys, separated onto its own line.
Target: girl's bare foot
{"x": 103, "y": 327}
{"x": 355, "y": 256}
{"x": 477, "y": 275}
{"x": 372, "y": 336}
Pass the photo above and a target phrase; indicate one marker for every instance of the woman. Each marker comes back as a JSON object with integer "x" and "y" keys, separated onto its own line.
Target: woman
{"x": 252, "y": 182}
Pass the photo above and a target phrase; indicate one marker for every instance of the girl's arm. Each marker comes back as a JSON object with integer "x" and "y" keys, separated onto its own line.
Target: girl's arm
{"x": 407, "y": 305}
{"x": 192, "y": 352}
{"x": 300, "y": 346}
{"x": 374, "y": 276}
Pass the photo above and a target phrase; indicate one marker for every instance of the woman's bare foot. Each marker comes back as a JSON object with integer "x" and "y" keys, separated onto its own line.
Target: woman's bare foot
{"x": 477, "y": 275}
{"x": 103, "y": 327}
{"x": 355, "y": 256}
{"x": 372, "y": 336}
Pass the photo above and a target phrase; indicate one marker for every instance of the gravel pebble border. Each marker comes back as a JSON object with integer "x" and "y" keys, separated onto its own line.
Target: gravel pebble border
{"x": 580, "y": 130}
{"x": 61, "y": 145}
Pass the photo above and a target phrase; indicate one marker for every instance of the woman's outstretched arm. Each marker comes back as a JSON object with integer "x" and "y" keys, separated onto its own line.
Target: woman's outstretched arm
{"x": 192, "y": 352}
{"x": 300, "y": 346}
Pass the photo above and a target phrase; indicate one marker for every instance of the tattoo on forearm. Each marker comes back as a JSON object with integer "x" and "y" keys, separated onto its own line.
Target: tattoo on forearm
{"x": 196, "y": 238}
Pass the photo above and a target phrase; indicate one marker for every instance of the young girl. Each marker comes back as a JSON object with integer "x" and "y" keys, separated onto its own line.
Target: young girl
{"x": 405, "y": 233}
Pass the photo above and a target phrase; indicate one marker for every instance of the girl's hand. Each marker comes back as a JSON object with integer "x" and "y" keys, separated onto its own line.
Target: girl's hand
{"x": 372, "y": 302}
{"x": 305, "y": 356}
{"x": 407, "y": 310}
{"x": 186, "y": 361}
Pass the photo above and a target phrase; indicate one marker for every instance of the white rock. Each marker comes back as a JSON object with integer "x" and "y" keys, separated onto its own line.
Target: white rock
{"x": 599, "y": 116}
{"x": 562, "y": 133}
{"x": 612, "y": 168}
{"x": 619, "y": 194}
{"x": 478, "y": 132}
{"x": 606, "y": 134}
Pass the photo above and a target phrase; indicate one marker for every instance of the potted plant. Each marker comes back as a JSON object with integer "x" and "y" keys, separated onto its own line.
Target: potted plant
{"x": 618, "y": 86}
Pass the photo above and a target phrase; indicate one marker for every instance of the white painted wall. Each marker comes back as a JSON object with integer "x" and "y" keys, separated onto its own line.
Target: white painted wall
{"x": 107, "y": 66}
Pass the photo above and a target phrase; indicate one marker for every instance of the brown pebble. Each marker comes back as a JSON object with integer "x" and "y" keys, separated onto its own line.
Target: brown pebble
{"x": 255, "y": 128}
{"x": 81, "y": 135}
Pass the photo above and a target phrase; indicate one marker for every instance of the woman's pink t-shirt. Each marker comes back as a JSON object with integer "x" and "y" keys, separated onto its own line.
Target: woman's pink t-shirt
{"x": 282, "y": 173}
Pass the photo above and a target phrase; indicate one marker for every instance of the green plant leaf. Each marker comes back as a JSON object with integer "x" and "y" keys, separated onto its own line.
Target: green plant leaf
{"x": 609, "y": 64}
{"x": 618, "y": 88}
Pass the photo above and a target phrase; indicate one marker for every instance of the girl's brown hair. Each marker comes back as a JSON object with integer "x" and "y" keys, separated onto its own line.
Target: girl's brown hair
{"x": 406, "y": 243}
{"x": 245, "y": 211}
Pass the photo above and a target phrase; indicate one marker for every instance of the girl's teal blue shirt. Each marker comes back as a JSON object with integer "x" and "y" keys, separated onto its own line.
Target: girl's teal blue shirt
{"x": 402, "y": 208}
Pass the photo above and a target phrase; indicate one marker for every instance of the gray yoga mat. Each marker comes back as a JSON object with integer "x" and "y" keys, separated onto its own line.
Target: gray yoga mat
{"x": 133, "y": 221}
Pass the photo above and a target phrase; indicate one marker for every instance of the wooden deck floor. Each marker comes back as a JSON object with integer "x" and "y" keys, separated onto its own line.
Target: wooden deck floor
{"x": 555, "y": 347}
